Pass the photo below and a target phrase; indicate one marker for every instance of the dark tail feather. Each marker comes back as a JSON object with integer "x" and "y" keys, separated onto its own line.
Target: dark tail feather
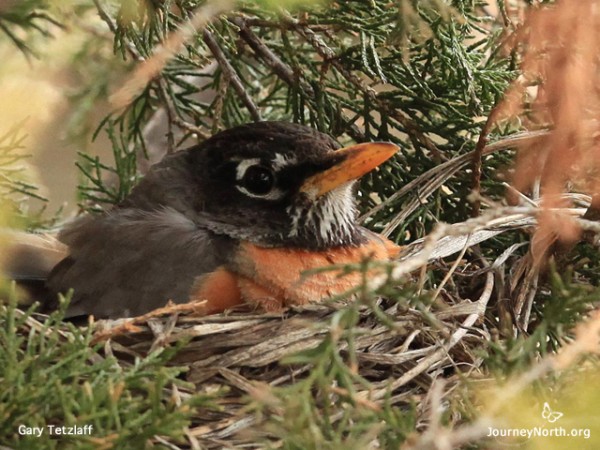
{"x": 28, "y": 259}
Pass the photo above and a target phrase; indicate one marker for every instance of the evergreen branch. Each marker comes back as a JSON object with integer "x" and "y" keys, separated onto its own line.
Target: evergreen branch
{"x": 174, "y": 116}
{"x": 283, "y": 70}
{"x": 112, "y": 26}
{"x": 151, "y": 67}
{"x": 230, "y": 74}
{"x": 270, "y": 58}
{"x": 329, "y": 55}
{"x": 19, "y": 43}
{"x": 477, "y": 158}
{"x": 26, "y": 17}
{"x": 109, "y": 185}
{"x": 51, "y": 374}
{"x": 13, "y": 178}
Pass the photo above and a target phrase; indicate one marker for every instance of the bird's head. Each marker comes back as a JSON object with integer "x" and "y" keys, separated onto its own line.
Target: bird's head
{"x": 274, "y": 183}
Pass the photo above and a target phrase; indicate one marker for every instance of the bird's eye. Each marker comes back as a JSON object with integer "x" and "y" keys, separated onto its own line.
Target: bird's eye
{"x": 258, "y": 180}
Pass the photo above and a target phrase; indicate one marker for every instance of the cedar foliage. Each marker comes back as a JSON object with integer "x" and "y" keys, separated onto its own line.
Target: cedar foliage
{"x": 426, "y": 75}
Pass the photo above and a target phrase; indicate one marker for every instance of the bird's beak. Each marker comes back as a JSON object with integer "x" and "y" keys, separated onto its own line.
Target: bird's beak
{"x": 353, "y": 162}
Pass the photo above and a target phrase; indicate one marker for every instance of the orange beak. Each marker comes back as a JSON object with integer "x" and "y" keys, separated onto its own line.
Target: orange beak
{"x": 356, "y": 161}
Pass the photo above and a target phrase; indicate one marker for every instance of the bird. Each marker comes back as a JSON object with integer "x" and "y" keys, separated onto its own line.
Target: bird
{"x": 244, "y": 217}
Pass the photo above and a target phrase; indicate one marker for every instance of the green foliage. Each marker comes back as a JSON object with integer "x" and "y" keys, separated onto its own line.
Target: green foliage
{"x": 585, "y": 261}
{"x": 290, "y": 5}
{"x": 50, "y": 374}
{"x": 105, "y": 184}
{"x": 15, "y": 188}
{"x": 12, "y": 174}
{"x": 24, "y": 18}
{"x": 558, "y": 307}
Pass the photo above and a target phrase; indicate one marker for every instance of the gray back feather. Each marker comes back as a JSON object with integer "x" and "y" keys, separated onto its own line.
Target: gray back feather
{"x": 105, "y": 271}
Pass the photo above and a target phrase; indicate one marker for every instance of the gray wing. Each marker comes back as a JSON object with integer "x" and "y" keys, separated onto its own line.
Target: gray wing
{"x": 131, "y": 261}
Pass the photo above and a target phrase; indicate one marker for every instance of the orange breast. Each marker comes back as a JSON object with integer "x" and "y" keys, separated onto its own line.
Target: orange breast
{"x": 272, "y": 278}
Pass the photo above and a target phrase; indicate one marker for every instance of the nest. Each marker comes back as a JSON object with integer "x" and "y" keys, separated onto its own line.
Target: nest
{"x": 242, "y": 351}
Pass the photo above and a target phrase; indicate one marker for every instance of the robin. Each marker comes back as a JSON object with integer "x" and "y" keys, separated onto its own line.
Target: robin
{"x": 237, "y": 219}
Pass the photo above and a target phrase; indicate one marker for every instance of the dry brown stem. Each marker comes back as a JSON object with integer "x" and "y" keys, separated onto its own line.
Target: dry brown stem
{"x": 558, "y": 89}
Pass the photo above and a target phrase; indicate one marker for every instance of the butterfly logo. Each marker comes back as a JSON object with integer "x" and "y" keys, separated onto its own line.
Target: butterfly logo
{"x": 549, "y": 415}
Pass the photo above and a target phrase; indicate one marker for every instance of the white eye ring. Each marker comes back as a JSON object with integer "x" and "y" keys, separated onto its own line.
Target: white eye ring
{"x": 243, "y": 165}
{"x": 242, "y": 168}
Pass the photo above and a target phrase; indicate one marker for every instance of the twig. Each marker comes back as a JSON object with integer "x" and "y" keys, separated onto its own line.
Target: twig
{"x": 283, "y": 71}
{"x": 451, "y": 271}
{"x": 477, "y": 159}
{"x": 131, "y": 325}
{"x": 219, "y": 103}
{"x": 152, "y": 67}
{"x": 437, "y": 355}
{"x": 105, "y": 17}
{"x": 171, "y": 114}
{"x": 522, "y": 197}
{"x": 174, "y": 116}
{"x": 269, "y": 58}
{"x": 525, "y": 315}
{"x": 231, "y": 75}
{"x": 434, "y": 401}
